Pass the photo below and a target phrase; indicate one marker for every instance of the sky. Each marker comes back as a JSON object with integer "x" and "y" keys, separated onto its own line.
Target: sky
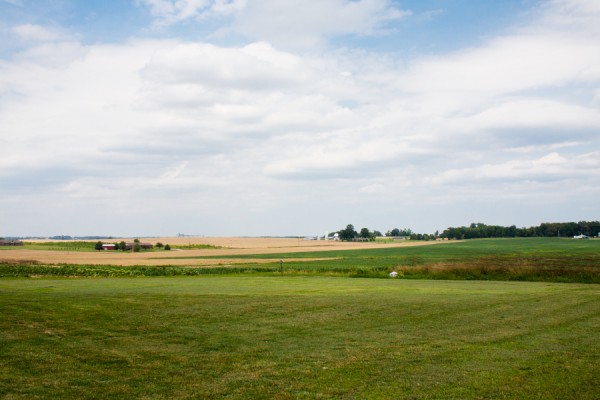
{"x": 276, "y": 118}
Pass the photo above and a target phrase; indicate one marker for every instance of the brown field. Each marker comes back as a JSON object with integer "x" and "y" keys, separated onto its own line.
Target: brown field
{"x": 230, "y": 246}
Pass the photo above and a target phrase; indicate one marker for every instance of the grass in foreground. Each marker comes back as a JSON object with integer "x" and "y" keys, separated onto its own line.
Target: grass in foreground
{"x": 297, "y": 338}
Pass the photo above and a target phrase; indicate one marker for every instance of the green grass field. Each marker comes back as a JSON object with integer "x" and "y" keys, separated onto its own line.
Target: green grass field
{"x": 297, "y": 337}
{"x": 313, "y": 333}
{"x": 64, "y": 245}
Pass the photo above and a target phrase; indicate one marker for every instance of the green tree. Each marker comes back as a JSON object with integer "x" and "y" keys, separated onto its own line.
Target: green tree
{"x": 167, "y": 247}
{"x": 136, "y": 246}
{"x": 159, "y": 245}
{"x": 122, "y": 246}
{"x": 98, "y": 245}
{"x": 348, "y": 234}
{"x": 364, "y": 233}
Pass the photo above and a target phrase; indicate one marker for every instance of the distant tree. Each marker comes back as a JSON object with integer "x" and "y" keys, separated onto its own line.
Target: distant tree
{"x": 377, "y": 234}
{"x": 98, "y": 245}
{"x": 364, "y": 233}
{"x": 348, "y": 234}
{"x": 167, "y": 247}
{"x": 159, "y": 245}
{"x": 122, "y": 246}
{"x": 136, "y": 246}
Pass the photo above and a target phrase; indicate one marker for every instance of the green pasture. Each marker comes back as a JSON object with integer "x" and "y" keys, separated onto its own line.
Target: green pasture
{"x": 297, "y": 337}
{"x": 547, "y": 248}
{"x": 550, "y": 259}
{"x": 63, "y": 245}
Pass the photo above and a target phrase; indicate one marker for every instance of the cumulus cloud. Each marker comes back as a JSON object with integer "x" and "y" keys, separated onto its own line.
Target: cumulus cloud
{"x": 248, "y": 130}
{"x": 300, "y": 24}
{"x": 551, "y": 166}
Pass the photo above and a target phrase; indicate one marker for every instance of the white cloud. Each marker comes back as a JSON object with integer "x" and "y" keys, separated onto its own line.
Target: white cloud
{"x": 208, "y": 65}
{"x": 526, "y": 113}
{"x": 38, "y": 33}
{"x": 508, "y": 65}
{"x": 551, "y": 166}
{"x": 246, "y": 133}
{"x": 301, "y": 24}
{"x": 285, "y": 24}
{"x": 168, "y": 12}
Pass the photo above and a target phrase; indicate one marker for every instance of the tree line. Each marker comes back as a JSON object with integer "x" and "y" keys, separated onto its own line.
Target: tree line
{"x": 349, "y": 234}
{"x": 547, "y": 229}
{"x": 480, "y": 230}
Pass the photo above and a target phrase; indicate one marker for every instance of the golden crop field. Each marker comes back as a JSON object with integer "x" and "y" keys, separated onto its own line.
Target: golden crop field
{"x": 224, "y": 246}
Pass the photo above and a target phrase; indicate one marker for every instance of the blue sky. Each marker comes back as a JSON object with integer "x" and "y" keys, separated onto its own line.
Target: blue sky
{"x": 246, "y": 117}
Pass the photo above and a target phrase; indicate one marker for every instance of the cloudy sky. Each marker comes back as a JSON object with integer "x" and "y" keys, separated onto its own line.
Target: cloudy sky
{"x": 296, "y": 117}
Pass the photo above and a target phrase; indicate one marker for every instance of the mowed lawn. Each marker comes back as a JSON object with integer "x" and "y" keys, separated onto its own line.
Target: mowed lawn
{"x": 241, "y": 337}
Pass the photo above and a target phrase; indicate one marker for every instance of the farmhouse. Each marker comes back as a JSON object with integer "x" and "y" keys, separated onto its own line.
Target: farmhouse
{"x": 109, "y": 246}
{"x": 11, "y": 243}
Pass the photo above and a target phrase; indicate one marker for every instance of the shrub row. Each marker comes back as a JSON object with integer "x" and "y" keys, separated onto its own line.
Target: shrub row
{"x": 445, "y": 272}
{"x": 23, "y": 271}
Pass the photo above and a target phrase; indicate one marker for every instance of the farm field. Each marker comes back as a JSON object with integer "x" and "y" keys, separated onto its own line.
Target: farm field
{"x": 525, "y": 259}
{"x": 297, "y": 337}
{"x": 52, "y": 252}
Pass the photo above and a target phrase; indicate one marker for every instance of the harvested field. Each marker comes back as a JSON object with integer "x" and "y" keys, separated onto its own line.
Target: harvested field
{"x": 226, "y": 247}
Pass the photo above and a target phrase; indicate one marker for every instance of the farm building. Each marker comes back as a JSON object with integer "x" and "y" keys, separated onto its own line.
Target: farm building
{"x": 581, "y": 236}
{"x": 11, "y": 243}
{"x": 109, "y": 246}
